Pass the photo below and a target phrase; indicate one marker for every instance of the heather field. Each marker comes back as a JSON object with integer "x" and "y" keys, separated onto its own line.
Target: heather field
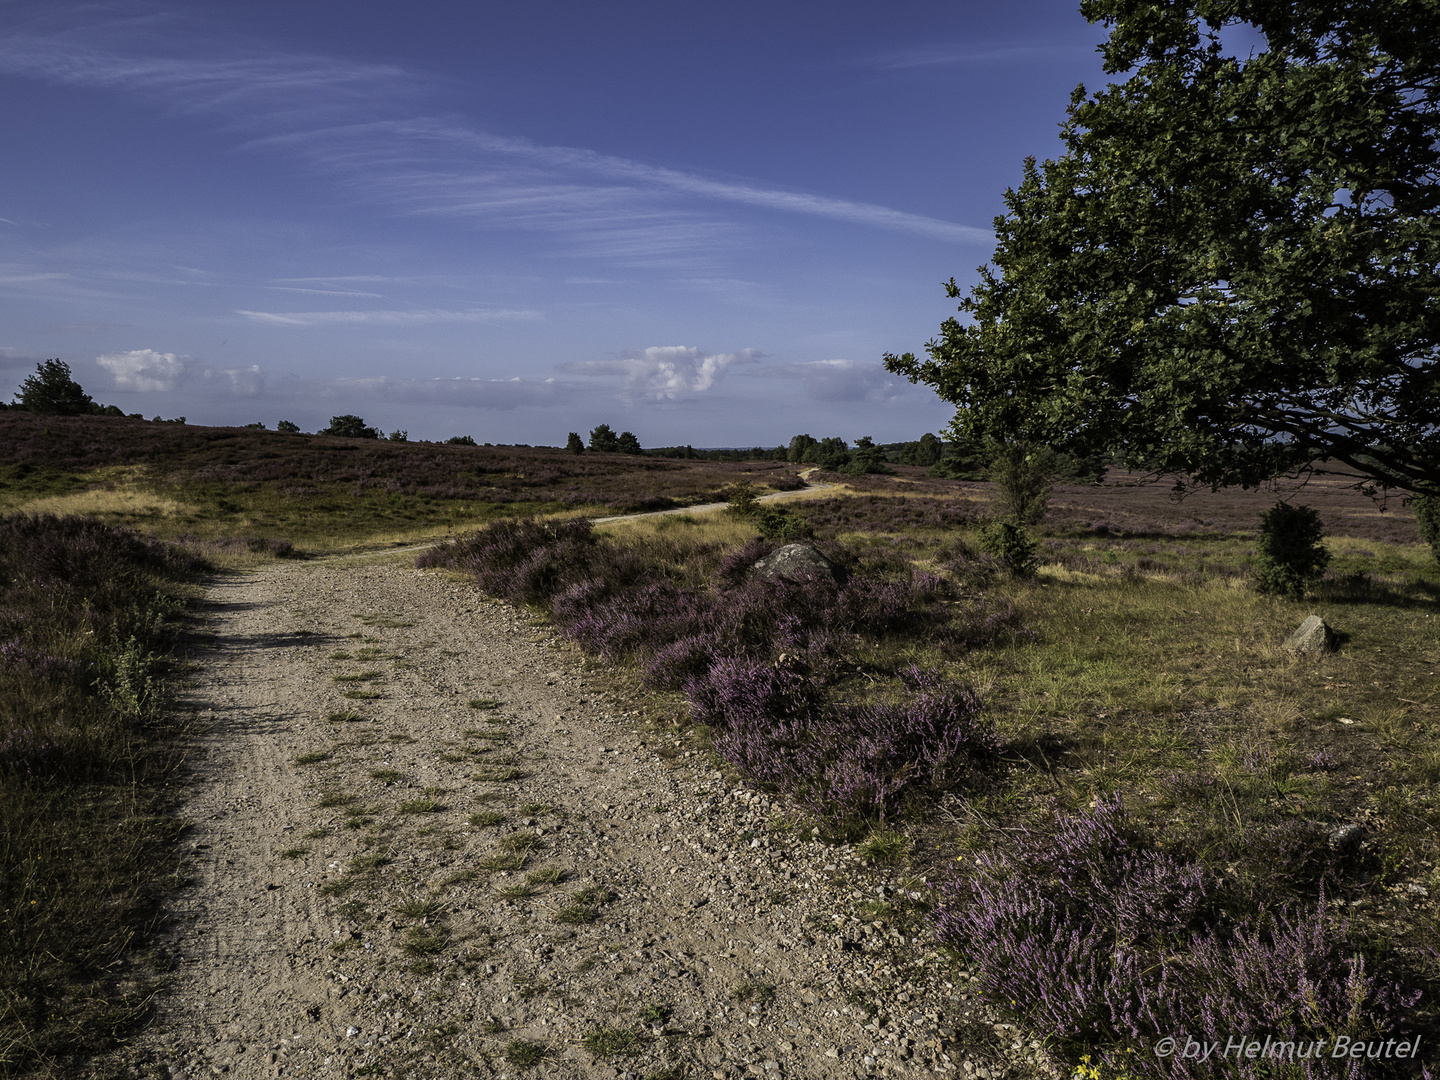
{"x": 1129, "y": 811}
{"x": 321, "y": 492}
{"x": 1135, "y": 813}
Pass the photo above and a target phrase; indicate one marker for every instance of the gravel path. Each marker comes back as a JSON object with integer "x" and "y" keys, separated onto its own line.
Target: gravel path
{"x": 479, "y": 864}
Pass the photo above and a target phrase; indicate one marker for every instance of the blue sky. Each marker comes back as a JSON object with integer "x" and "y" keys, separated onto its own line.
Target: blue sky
{"x": 702, "y": 223}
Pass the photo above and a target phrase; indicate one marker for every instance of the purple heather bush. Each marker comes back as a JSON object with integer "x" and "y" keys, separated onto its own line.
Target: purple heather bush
{"x": 848, "y": 765}
{"x": 1101, "y": 939}
{"x": 756, "y": 657}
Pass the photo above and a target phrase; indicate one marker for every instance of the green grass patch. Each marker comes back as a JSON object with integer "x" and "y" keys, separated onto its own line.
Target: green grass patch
{"x": 610, "y": 1041}
{"x": 418, "y": 908}
{"x": 359, "y": 676}
{"x": 523, "y": 1054}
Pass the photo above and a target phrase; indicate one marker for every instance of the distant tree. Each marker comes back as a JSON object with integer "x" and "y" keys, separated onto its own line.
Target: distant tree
{"x": 259, "y": 425}
{"x": 926, "y": 451}
{"x": 350, "y": 427}
{"x": 627, "y": 443}
{"x": 603, "y": 440}
{"x": 52, "y": 392}
{"x": 831, "y": 453}
{"x": 288, "y": 427}
{"x": 399, "y": 436}
{"x": 866, "y": 458}
{"x": 575, "y": 444}
{"x": 798, "y": 447}
{"x": 460, "y": 440}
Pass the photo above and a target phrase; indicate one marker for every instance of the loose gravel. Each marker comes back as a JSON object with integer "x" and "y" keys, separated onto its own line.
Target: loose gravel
{"x": 473, "y": 860}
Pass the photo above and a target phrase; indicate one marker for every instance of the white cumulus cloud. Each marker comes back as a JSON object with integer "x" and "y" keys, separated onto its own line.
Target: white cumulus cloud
{"x": 666, "y": 371}
{"x": 145, "y": 370}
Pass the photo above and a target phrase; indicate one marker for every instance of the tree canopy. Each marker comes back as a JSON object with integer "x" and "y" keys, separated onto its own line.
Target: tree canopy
{"x": 349, "y": 426}
{"x": 53, "y": 391}
{"x": 1233, "y": 271}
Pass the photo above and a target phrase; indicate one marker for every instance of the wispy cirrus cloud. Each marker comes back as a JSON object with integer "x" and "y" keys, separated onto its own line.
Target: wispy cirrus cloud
{"x": 324, "y": 292}
{"x": 365, "y": 126}
{"x": 665, "y": 372}
{"x": 384, "y": 318}
{"x": 963, "y": 54}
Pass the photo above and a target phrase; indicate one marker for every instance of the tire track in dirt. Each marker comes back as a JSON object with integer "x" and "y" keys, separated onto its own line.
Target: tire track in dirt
{"x": 390, "y": 907}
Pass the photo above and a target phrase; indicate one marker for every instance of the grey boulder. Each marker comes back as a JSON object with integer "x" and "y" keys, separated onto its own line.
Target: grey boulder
{"x": 797, "y": 562}
{"x": 1312, "y": 637}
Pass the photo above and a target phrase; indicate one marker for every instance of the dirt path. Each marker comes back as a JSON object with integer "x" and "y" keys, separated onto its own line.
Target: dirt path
{"x": 477, "y": 859}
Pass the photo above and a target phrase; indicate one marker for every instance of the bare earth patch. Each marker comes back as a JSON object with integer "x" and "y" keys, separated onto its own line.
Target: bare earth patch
{"x": 484, "y": 871}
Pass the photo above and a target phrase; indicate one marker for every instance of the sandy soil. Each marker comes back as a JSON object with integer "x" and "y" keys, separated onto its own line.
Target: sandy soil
{"x": 351, "y": 911}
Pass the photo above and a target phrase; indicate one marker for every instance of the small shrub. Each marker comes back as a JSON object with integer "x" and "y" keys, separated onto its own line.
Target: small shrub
{"x": 1427, "y": 517}
{"x": 1012, "y": 544}
{"x": 741, "y": 498}
{"x": 777, "y": 523}
{"x": 1022, "y": 473}
{"x": 1289, "y": 555}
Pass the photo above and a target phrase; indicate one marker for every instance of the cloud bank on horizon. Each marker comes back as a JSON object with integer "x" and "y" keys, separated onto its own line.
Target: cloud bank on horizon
{"x": 292, "y": 216}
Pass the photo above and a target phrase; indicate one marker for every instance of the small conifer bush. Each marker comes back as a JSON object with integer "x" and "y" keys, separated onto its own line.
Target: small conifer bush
{"x": 1289, "y": 555}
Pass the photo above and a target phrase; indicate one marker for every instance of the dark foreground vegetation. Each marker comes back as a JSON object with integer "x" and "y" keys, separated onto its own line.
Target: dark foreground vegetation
{"x": 89, "y": 620}
{"x": 1138, "y": 816}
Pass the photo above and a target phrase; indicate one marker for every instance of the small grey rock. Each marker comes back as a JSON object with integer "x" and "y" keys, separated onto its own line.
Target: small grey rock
{"x": 1347, "y": 837}
{"x": 1312, "y": 637}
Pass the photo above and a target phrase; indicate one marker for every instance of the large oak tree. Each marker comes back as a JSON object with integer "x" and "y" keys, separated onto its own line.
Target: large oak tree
{"x": 1231, "y": 271}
